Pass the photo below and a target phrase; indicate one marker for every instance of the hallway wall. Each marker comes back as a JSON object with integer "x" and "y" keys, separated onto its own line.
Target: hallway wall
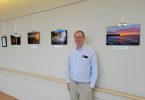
{"x": 119, "y": 69}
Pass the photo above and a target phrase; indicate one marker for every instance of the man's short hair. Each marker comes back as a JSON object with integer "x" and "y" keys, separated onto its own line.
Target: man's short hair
{"x": 80, "y": 32}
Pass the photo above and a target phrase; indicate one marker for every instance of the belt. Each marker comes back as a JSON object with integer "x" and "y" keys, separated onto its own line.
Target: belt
{"x": 78, "y": 82}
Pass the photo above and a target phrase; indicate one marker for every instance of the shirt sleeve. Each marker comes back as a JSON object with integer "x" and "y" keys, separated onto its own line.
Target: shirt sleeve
{"x": 94, "y": 70}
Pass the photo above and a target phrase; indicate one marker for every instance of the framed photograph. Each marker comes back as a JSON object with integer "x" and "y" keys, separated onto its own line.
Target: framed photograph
{"x": 4, "y": 41}
{"x": 123, "y": 35}
{"x": 59, "y": 37}
{"x": 16, "y": 39}
{"x": 34, "y": 38}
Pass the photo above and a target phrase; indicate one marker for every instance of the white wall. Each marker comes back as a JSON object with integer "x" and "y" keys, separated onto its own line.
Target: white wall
{"x": 120, "y": 70}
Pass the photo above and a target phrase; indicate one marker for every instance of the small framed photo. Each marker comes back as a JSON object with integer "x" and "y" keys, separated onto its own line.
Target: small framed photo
{"x": 59, "y": 37}
{"x": 15, "y": 39}
{"x": 34, "y": 38}
{"x": 4, "y": 41}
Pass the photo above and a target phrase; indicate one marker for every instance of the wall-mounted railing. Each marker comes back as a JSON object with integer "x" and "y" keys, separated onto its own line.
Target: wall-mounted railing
{"x": 28, "y": 74}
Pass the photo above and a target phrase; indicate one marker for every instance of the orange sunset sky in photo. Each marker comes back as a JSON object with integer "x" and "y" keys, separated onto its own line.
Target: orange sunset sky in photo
{"x": 133, "y": 29}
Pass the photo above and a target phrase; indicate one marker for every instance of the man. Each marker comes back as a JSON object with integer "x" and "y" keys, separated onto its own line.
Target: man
{"x": 81, "y": 70}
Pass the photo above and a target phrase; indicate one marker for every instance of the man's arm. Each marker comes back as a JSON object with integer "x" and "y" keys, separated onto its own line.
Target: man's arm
{"x": 94, "y": 71}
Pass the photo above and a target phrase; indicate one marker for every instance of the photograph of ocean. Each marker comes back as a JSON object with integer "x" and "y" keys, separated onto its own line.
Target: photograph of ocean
{"x": 123, "y": 35}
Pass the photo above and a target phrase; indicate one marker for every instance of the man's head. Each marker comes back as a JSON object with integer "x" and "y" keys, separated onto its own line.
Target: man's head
{"x": 79, "y": 38}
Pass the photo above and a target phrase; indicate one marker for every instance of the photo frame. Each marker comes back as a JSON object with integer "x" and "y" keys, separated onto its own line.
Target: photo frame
{"x": 15, "y": 39}
{"x": 59, "y": 37}
{"x": 4, "y": 41}
{"x": 34, "y": 38}
{"x": 123, "y": 35}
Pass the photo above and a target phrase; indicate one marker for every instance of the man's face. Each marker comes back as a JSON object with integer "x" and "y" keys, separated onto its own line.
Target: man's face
{"x": 79, "y": 39}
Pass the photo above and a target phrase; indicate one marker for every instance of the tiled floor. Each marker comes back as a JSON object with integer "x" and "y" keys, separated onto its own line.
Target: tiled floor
{"x": 4, "y": 96}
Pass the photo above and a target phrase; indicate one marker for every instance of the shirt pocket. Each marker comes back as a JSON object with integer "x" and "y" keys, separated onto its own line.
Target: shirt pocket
{"x": 84, "y": 61}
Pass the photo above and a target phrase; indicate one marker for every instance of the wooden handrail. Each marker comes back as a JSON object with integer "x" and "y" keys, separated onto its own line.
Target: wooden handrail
{"x": 4, "y": 96}
{"x": 64, "y": 82}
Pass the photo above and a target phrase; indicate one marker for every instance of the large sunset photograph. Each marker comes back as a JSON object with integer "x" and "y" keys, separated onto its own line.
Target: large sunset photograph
{"x": 123, "y": 35}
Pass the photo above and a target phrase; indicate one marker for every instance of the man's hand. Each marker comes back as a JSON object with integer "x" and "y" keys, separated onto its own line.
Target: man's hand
{"x": 93, "y": 89}
{"x": 68, "y": 86}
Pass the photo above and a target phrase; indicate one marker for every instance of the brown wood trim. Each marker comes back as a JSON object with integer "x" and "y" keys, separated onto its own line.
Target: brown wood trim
{"x": 4, "y": 96}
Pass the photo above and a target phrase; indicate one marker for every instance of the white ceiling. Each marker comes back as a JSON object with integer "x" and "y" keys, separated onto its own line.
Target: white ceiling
{"x": 14, "y": 8}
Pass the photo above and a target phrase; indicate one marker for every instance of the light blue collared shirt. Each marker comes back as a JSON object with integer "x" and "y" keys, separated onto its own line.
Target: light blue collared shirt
{"x": 82, "y": 65}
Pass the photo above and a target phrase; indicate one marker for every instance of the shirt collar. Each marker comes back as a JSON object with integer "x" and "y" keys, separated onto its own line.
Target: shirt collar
{"x": 81, "y": 48}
